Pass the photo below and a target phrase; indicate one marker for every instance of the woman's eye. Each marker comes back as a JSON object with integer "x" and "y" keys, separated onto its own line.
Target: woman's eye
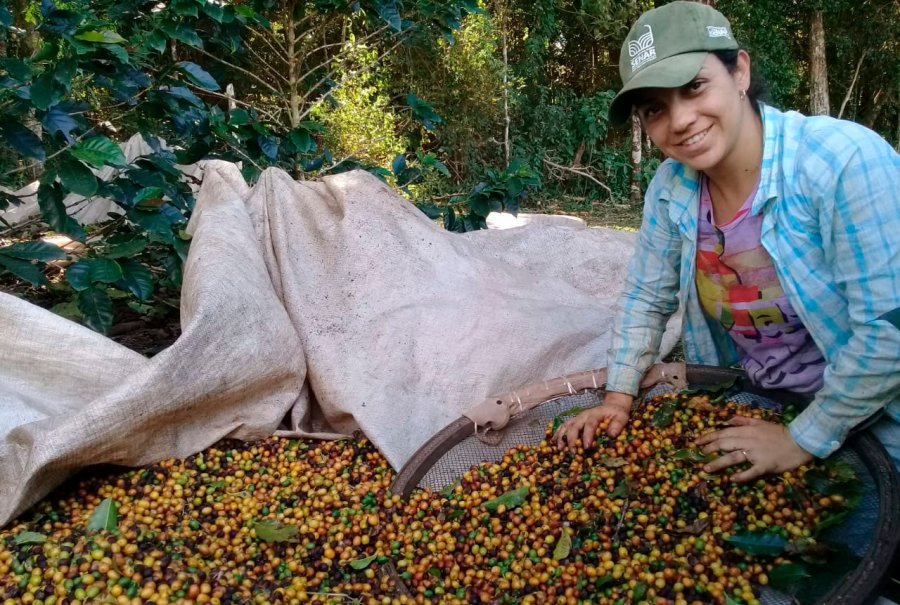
{"x": 695, "y": 85}
{"x": 650, "y": 111}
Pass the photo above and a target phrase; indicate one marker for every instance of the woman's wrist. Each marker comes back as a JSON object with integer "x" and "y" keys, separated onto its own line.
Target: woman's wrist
{"x": 622, "y": 401}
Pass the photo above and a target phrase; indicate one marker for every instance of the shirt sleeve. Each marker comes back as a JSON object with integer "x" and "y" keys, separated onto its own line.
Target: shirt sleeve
{"x": 650, "y": 293}
{"x": 860, "y": 220}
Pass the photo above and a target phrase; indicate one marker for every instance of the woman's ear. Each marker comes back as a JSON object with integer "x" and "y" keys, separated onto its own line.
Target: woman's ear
{"x": 742, "y": 72}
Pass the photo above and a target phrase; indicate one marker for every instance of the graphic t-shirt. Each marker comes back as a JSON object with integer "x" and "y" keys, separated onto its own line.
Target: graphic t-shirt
{"x": 739, "y": 288}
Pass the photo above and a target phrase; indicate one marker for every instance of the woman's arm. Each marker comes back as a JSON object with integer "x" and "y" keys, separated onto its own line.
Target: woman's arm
{"x": 650, "y": 293}
{"x": 649, "y": 298}
{"x": 860, "y": 221}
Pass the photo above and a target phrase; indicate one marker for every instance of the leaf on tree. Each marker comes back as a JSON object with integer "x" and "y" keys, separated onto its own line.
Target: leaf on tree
{"x": 105, "y": 516}
{"x": 198, "y": 75}
{"x": 302, "y": 140}
{"x": 272, "y": 531}
{"x": 96, "y": 309}
{"x": 387, "y": 10}
{"x": 22, "y": 140}
{"x": 43, "y": 91}
{"x": 125, "y": 249}
{"x": 105, "y": 36}
{"x": 68, "y": 310}
{"x": 86, "y": 272}
{"x": 50, "y": 201}
{"x": 185, "y": 34}
{"x": 268, "y": 145}
{"x": 57, "y": 120}
{"x": 156, "y": 41}
{"x": 16, "y": 69}
{"x": 510, "y": 499}
{"x": 77, "y": 178}
{"x": 22, "y": 269}
{"x": 152, "y": 221}
{"x": 36, "y": 250}
{"x": 137, "y": 279}
{"x": 6, "y": 18}
{"x": 98, "y": 151}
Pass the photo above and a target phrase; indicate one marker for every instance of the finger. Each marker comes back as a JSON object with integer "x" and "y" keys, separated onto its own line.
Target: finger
{"x": 590, "y": 429}
{"x": 616, "y": 424}
{"x": 748, "y": 474}
{"x": 573, "y": 435}
{"x": 744, "y": 421}
{"x": 724, "y": 461}
{"x": 713, "y": 436}
{"x": 560, "y": 435}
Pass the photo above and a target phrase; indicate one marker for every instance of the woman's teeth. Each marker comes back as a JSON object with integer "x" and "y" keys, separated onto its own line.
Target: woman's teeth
{"x": 696, "y": 138}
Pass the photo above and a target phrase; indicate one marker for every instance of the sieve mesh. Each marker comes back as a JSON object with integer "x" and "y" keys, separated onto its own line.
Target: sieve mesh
{"x": 858, "y": 535}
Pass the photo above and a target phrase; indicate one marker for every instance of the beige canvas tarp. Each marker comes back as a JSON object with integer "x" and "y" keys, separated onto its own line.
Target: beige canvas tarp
{"x": 314, "y": 308}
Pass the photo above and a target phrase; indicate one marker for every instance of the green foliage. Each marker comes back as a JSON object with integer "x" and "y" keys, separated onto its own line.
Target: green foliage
{"x": 359, "y": 119}
{"x": 114, "y": 66}
{"x": 433, "y": 96}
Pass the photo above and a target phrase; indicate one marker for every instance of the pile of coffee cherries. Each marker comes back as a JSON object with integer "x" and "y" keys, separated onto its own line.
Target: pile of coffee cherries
{"x": 634, "y": 519}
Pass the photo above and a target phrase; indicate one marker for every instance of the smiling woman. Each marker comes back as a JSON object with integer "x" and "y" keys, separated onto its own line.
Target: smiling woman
{"x": 777, "y": 234}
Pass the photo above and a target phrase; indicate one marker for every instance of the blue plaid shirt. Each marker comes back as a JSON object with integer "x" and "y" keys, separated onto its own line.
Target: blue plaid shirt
{"x": 829, "y": 193}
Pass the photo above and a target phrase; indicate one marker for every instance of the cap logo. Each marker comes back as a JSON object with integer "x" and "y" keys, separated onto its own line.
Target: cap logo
{"x": 642, "y": 49}
{"x": 715, "y": 31}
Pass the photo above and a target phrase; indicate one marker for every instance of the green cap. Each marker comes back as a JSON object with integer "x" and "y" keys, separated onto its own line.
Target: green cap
{"x": 666, "y": 47}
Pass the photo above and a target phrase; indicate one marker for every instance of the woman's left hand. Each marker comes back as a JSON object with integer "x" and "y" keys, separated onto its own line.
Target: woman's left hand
{"x": 767, "y": 446}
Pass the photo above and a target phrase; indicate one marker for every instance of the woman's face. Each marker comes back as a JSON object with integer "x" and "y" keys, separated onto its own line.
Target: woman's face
{"x": 700, "y": 123}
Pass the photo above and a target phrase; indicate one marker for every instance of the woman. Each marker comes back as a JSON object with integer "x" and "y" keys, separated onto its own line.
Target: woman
{"x": 778, "y": 233}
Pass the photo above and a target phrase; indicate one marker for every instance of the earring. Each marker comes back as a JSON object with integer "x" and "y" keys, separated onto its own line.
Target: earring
{"x": 743, "y": 95}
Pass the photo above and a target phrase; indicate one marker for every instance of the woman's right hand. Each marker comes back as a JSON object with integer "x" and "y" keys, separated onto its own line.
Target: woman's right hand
{"x": 614, "y": 409}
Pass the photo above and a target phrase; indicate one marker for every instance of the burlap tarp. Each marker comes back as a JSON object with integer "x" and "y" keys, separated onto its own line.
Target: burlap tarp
{"x": 313, "y": 308}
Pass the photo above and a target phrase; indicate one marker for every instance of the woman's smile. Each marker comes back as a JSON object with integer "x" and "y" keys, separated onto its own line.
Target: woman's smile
{"x": 693, "y": 140}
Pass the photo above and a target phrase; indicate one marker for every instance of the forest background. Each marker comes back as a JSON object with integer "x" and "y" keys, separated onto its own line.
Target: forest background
{"x": 465, "y": 106}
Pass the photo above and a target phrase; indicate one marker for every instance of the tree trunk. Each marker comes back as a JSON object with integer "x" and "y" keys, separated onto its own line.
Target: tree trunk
{"x": 636, "y": 148}
{"x": 818, "y": 69}
{"x": 506, "y": 118}
{"x": 31, "y": 41}
{"x": 875, "y": 107}
{"x": 293, "y": 71}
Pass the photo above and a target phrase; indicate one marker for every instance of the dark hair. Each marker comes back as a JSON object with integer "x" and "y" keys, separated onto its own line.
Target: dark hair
{"x": 758, "y": 90}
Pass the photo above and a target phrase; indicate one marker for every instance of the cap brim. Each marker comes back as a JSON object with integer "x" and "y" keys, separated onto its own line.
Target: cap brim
{"x": 670, "y": 72}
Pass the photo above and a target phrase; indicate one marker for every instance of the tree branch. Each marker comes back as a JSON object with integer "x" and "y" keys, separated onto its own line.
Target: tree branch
{"x": 52, "y": 155}
{"x": 277, "y": 91}
{"x": 317, "y": 49}
{"x": 330, "y": 59}
{"x": 236, "y": 101}
{"x": 852, "y": 83}
{"x": 272, "y": 70}
{"x": 583, "y": 173}
{"x": 265, "y": 35}
{"x": 343, "y": 80}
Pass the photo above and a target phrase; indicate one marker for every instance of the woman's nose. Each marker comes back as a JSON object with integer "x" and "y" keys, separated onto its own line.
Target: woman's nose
{"x": 682, "y": 114}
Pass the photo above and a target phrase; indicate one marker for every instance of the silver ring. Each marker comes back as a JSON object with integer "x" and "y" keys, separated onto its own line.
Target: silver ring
{"x": 746, "y": 456}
